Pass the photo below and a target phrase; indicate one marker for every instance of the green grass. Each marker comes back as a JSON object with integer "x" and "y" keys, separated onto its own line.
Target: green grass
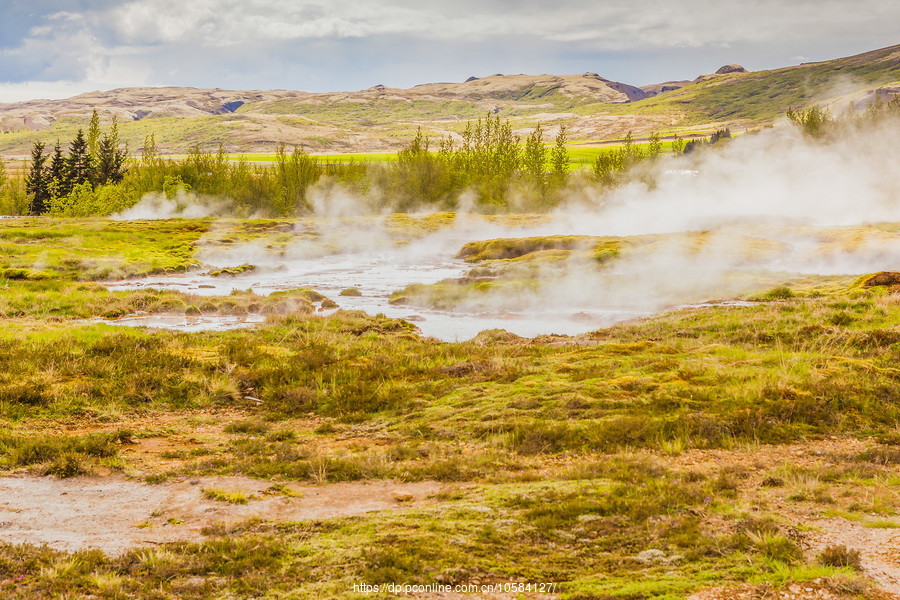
{"x": 62, "y": 456}
{"x": 224, "y": 496}
{"x": 368, "y": 113}
{"x": 560, "y": 460}
{"x": 764, "y": 95}
{"x": 579, "y": 155}
{"x": 42, "y": 248}
{"x": 589, "y": 532}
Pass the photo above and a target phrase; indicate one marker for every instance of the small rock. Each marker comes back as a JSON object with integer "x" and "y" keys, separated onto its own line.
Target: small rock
{"x": 651, "y": 556}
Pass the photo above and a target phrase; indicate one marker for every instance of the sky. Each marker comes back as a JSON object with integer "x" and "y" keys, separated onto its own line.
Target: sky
{"x": 59, "y": 48}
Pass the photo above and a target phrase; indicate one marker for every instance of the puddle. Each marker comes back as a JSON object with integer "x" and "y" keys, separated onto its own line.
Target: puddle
{"x": 376, "y": 275}
{"x": 377, "y": 272}
{"x": 375, "y": 280}
{"x": 189, "y": 323}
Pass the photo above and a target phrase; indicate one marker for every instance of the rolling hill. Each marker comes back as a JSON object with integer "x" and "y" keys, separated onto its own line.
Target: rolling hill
{"x": 383, "y": 119}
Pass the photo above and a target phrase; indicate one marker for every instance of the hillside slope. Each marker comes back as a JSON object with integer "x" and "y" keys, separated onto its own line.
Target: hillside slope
{"x": 383, "y": 119}
{"x": 764, "y": 95}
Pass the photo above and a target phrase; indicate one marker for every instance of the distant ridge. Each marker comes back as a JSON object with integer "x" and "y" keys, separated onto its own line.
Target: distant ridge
{"x": 383, "y": 118}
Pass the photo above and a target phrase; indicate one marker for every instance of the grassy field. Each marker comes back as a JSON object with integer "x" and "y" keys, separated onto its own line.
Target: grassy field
{"x": 646, "y": 460}
{"x": 582, "y": 154}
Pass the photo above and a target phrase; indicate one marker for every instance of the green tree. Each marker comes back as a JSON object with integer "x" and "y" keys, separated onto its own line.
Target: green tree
{"x": 36, "y": 181}
{"x": 57, "y": 173}
{"x": 488, "y": 158}
{"x": 654, "y": 148}
{"x": 814, "y": 121}
{"x": 631, "y": 152}
{"x": 422, "y": 177}
{"x": 110, "y": 165}
{"x": 559, "y": 155}
{"x": 719, "y": 135}
{"x": 693, "y": 146}
{"x": 295, "y": 173}
{"x": 610, "y": 166}
{"x": 93, "y": 136}
{"x": 14, "y": 200}
{"x": 150, "y": 153}
{"x": 77, "y": 203}
{"x": 677, "y": 144}
{"x": 79, "y": 166}
{"x": 534, "y": 157}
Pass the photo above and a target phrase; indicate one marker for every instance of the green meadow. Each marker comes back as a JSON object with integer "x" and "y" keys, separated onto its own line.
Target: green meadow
{"x": 644, "y": 460}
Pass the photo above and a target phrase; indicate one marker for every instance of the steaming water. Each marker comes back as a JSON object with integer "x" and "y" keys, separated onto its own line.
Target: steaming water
{"x": 762, "y": 200}
{"x": 376, "y": 274}
{"x": 187, "y": 322}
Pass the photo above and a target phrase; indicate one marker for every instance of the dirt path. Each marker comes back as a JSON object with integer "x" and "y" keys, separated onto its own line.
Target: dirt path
{"x": 879, "y": 549}
{"x": 115, "y": 514}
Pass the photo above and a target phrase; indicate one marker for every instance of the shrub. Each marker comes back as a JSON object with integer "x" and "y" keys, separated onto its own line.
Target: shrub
{"x": 840, "y": 556}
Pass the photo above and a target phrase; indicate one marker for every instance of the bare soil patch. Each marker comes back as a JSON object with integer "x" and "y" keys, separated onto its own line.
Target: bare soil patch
{"x": 115, "y": 514}
{"x": 879, "y": 548}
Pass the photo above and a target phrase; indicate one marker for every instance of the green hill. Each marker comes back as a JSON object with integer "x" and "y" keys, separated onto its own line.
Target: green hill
{"x": 764, "y": 95}
{"x": 381, "y": 119}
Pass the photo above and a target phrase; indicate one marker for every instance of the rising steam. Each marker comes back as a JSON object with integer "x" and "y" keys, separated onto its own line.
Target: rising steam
{"x": 773, "y": 202}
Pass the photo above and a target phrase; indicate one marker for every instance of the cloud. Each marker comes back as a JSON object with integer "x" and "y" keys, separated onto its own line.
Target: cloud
{"x": 612, "y": 25}
{"x": 321, "y": 45}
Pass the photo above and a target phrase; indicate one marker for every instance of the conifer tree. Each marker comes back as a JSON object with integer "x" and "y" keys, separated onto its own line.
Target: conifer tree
{"x": 57, "y": 173}
{"x": 111, "y": 161}
{"x": 79, "y": 166}
{"x": 36, "y": 181}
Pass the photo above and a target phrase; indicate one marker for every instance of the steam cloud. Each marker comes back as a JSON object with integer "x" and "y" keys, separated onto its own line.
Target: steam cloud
{"x": 769, "y": 202}
{"x": 187, "y": 205}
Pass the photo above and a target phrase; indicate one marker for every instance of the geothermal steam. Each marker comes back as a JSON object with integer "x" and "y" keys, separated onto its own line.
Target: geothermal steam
{"x": 772, "y": 201}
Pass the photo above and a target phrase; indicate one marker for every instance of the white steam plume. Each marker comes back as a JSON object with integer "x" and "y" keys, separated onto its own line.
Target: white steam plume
{"x": 187, "y": 205}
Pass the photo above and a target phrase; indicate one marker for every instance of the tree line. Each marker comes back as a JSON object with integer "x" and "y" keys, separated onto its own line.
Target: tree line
{"x": 818, "y": 123}
{"x": 486, "y": 167}
{"x": 490, "y": 161}
{"x": 55, "y": 181}
{"x": 498, "y": 170}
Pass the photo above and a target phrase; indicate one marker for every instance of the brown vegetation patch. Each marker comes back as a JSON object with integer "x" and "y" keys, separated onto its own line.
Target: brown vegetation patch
{"x": 882, "y": 278}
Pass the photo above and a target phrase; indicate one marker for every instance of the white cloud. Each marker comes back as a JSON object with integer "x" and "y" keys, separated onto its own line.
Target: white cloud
{"x": 339, "y": 44}
{"x": 611, "y": 25}
{"x": 50, "y": 90}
